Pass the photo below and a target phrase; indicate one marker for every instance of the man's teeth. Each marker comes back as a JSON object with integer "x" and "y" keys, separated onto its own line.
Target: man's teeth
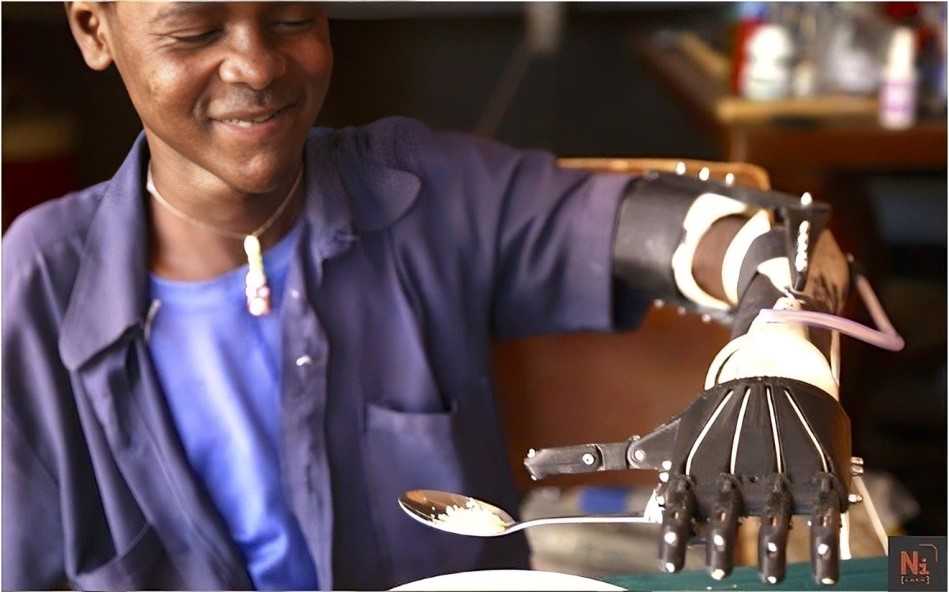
{"x": 248, "y": 122}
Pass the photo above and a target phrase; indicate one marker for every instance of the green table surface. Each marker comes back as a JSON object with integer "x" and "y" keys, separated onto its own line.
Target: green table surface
{"x": 869, "y": 573}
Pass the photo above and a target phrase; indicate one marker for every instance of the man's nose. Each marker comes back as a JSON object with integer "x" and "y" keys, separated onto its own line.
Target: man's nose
{"x": 252, "y": 59}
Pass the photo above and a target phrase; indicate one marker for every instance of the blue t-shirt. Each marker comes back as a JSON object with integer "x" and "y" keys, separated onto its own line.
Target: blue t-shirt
{"x": 220, "y": 371}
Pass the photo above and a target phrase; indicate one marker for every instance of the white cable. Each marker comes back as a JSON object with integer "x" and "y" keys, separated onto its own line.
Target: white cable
{"x": 872, "y": 512}
{"x": 807, "y": 428}
{"x": 705, "y": 429}
{"x": 738, "y": 425}
{"x": 778, "y": 452}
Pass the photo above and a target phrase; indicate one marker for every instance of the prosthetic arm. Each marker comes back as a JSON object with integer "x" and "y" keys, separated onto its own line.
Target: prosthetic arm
{"x": 768, "y": 436}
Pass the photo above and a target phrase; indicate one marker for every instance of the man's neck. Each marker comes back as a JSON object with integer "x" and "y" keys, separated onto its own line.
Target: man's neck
{"x": 186, "y": 245}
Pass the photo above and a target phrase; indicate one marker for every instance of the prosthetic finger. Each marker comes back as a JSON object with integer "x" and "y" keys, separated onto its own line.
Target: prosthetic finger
{"x": 676, "y": 523}
{"x": 773, "y": 533}
{"x": 722, "y": 530}
{"x": 825, "y": 533}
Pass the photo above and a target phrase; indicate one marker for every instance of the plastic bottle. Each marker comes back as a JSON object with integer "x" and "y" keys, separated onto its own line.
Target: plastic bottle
{"x": 750, "y": 15}
{"x": 897, "y": 109}
{"x": 768, "y": 64}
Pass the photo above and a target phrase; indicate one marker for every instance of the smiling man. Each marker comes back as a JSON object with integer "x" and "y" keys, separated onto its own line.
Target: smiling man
{"x": 223, "y": 366}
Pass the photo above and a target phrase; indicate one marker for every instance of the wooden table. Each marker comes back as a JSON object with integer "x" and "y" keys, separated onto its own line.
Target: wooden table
{"x": 820, "y": 134}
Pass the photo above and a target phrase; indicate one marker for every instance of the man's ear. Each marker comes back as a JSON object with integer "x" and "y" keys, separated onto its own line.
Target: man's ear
{"x": 88, "y": 22}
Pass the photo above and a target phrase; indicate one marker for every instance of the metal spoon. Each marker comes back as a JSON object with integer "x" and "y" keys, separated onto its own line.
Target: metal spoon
{"x": 461, "y": 514}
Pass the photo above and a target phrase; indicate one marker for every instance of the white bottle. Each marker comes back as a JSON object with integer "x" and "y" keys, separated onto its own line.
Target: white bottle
{"x": 768, "y": 66}
{"x": 897, "y": 109}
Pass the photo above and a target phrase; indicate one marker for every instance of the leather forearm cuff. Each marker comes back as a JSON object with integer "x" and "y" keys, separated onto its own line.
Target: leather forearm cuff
{"x": 649, "y": 228}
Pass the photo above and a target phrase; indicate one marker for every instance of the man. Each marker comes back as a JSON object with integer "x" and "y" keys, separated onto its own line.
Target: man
{"x": 223, "y": 366}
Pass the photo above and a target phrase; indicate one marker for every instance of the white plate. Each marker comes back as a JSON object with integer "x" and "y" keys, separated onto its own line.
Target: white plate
{"x": 508, "y": 579}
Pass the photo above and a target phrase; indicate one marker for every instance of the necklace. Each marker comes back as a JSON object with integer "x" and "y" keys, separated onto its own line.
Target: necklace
{"x": 256, "y": 288}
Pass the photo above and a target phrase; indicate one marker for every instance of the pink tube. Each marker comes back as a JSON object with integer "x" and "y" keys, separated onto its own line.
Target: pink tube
{"x": 885, "y": 336}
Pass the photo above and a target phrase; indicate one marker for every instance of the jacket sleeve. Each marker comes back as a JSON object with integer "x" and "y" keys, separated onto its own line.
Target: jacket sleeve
{"x": 33, "y": 556}
{"x": 34, "y": 540}
{"x": 532, "y": 238}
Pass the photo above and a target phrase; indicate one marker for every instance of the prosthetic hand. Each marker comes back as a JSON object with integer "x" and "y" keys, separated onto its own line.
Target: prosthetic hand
{"x": 768, "y": 436}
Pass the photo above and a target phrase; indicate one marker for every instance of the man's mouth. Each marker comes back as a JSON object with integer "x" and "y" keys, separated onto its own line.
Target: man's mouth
{"x": 250, "y": 119}
{"x": 250, "y": 122}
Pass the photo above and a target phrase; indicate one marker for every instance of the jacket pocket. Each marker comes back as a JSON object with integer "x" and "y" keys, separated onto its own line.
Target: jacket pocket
{"x": 142, "y": 565}
{"x": 459, "y": 451}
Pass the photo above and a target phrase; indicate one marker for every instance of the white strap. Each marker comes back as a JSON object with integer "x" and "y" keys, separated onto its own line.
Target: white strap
{"x": 706, "y": 209}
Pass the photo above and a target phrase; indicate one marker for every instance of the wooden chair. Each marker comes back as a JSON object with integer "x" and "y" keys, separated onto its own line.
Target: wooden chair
{"x": 744, "y": 173}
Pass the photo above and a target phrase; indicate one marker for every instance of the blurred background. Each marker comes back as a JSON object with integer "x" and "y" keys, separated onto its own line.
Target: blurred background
{"x": 844, "y": 100}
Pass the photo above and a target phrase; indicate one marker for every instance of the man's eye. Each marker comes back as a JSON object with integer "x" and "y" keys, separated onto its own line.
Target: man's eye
{"x": 197, "y": 38}
{"x": 293, "y": 25}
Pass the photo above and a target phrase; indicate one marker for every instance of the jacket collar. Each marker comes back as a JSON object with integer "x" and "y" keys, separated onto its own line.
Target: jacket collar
{"x": 111, "y": 286}
{"x": 348, "y": 191}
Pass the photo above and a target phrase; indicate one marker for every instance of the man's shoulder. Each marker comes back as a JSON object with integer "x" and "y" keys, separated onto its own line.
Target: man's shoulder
{"x": 390, "y": 140}
{"x": 412, "y": 145}
{"x": 44, "y": 228}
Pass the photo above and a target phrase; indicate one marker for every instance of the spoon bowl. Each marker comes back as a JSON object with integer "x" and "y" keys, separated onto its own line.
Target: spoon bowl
{"x": 461, "y": 514}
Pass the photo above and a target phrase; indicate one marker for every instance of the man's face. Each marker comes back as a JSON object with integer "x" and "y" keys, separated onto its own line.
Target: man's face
{"x": 228, "y": 89}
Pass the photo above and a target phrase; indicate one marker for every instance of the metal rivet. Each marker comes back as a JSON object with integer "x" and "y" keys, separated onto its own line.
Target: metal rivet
{"x": 680, "y": 168}
{"x": 304, "y": 360}
{"x": 588, "y": 459}
{"x": 667, "y": 464}
{"x": 639, "y": 454}
{"x": 671, "y": 537}
{"x": 704, "y": 174}
{"x": 806, "y": 199}
{"x": 730, "y": 179}
{"x": 854, "y": 498}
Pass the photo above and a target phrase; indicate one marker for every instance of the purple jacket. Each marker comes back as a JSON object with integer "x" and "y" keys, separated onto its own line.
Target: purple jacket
{"x": 418, "y": 249}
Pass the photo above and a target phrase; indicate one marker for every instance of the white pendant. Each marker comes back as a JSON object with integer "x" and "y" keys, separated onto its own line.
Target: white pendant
{"x": 256, "y": 288}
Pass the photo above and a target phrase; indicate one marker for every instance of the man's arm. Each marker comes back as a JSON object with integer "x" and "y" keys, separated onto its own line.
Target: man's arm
{"x": 768, "y": 437}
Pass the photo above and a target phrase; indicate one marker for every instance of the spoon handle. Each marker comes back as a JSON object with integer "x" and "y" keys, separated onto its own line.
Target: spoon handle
{"x": 588, "y": 519}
